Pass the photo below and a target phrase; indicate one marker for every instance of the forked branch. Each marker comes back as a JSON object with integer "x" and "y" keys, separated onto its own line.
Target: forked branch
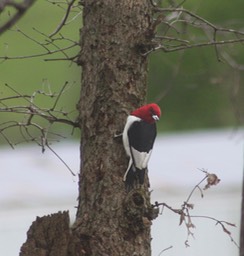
{"x": 29, "y": 111}
{"x": 54, "y": 44}
{"x": 172, "y": 36}
{"x": 185, "y": 209}
{"x": 63, "y": 21}
{"x": 20, "y": 10}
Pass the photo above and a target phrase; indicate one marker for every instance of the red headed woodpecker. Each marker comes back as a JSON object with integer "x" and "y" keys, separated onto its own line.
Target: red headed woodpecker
{"x": 138, "y": 139}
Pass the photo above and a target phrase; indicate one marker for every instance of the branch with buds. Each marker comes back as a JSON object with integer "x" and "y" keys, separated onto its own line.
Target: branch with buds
{"x": 185, "y": 209}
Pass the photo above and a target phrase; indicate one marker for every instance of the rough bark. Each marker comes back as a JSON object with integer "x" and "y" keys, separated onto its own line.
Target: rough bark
{"x": 114, "y": 75}
{"x": 48, "y": 235}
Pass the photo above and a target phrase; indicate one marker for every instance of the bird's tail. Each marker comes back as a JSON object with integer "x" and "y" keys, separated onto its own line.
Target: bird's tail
{"x": 134, "y": 177}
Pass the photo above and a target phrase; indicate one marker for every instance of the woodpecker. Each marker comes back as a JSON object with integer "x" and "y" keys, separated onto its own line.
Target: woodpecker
{"x": 138, "y": 139}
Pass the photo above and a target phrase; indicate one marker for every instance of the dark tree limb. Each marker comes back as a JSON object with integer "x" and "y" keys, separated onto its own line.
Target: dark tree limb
{"x": 20, "y": 8}
{"x": 63, "y": 21}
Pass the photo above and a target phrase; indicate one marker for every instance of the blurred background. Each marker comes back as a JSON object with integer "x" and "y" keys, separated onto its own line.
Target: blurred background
{"x": 200, "y": 91}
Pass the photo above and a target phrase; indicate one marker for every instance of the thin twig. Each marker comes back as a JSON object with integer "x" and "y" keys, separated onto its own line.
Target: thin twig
{"x": 166, "y": 249}
{"x": 195, "y": 187}
{"x": 184, "y": 47}
{"x": 59, "y": 95}
{"x": 60, "y": 159}
{"x": 63, "y": 21}
{"x": 38, "y": 54}
{"x": 186, "y": 207}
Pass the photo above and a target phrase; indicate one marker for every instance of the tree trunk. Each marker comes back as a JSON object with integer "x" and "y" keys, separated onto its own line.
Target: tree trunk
{"x": 48, "y": 235}
{"x": 114, "y": 75}
{"x": 109, "y": 220}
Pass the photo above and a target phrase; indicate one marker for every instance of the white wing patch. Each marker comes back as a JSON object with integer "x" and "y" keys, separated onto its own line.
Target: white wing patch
{"x": 140, "y": 158}
{"x": 129, "y": 122}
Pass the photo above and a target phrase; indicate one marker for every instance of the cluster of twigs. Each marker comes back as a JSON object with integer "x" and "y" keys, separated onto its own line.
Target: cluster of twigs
{"x": 185, "y": 210}
{"x": 31, "y": 120}
{"x": 55, "y": 42}
{"x": 178, "y": 29}
{"x": 172, "y": 23}
{"x": 29, "y": 126}
{"x": 29, "y": 110}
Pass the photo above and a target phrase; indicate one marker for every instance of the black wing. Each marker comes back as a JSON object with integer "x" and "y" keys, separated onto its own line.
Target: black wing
{"x": 142, "y": 136}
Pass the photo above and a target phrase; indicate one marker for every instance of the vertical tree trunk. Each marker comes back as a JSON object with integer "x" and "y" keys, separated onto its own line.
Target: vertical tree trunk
{"x": 114, "y": 76}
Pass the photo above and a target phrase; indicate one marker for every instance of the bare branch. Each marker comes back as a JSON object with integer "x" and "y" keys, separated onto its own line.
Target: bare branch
{"x": 30, "y": 129}
{"x": 184, "y": 47}
{"x": 31, "y": 110}
{"x": 20, "y": 8}
{"x": 193, "y": 190}
{"x": 60, "y": 159}
{"x": 55, "y": 43}
{"x": 186, "y": 207}
{"x": 197, "y": 18}
{"x": 62, "y": 23}
{"x": 222, "y": 223}
{"x": 173, "y": 18}
{"x": 38, "y": 55}
{"x": 180, "y": 10}
{"x": 166, "y": 249}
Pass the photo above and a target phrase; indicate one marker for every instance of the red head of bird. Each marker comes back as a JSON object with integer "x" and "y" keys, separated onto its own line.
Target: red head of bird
{"x": 148, "y": 113}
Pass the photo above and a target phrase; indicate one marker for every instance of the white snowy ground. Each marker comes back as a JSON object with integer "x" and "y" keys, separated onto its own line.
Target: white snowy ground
{"x": 34, "y": 184}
